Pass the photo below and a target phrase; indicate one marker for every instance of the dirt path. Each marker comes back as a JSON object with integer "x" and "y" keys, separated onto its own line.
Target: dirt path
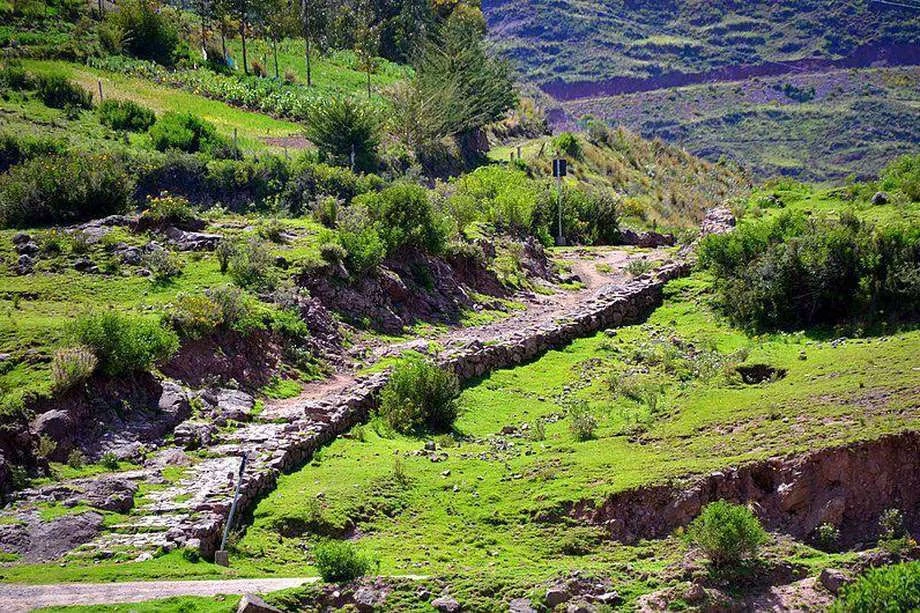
{"x": 15, "y": 598}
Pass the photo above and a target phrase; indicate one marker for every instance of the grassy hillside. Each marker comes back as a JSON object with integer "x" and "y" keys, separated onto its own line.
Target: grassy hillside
{"x": 817, "y": 127}
{"x": 576, "y": 40}
{"x": 657, "y": 185}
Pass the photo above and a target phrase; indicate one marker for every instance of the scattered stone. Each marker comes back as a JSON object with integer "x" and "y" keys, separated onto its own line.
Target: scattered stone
{"x": 27, "y": 248}
{"x": 695, "y": 594}
{"x": 557, "y": 595}
{"x": 250, "y": 603}
{"x": 880, "y": 198}
{"x": 610, "y": 332}
{"x": 368, "y": 599}
{"x": 609, "y": 598}
{"x": 430, "y": 446}
{"x": 833, "y": 579}
{"x": 24, "y": 265}
{"x": 21, "y": 238}
{"x": 446, "y": 604}
{"x": 85, "y": 265}
{"x": 193, "y": 241}
{"x": 521, "y": 605}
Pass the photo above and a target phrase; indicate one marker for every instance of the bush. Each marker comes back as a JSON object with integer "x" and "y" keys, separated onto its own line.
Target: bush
{"x": 582, "y": 422}
{"x": 791, "y": 272}
{"x": 15, "y": 148}
{"x": 892, "y": 588}
{"x": 903, "y": 175}
{"x": 252, "y": 267}
{"x": 14, "y": 77}
{"x": 163, "y": 264}
{"x": 340, "y": 126}
{"x": 167, "y": 208}
{"x": 567, "y": 143}
{"x": 186, "y": 132}
{"x": 57, "y": 91}
{"x": 589, "y": 216}
{"x": 109, "y": 461}
{"x": 419, "y": 396}
{"x": 332, "y": 253}
{"x": 340, "y": 561}
{"x": 125, "y": 115}
{"x": 195, "y": 316}
{"x": 71, "y": 367}
{"x": 124, "y": 343}
{"x": 501, "y": 196}
{"x": 405, "y": 218}
{"x": 364, "y": 248}
{"x": 149, "y": 30}
{"x": 76, "y": 459}
{"x": 727, "y": 533}
{"x": 311, "y": 182}
{"x": 64, "y": 190}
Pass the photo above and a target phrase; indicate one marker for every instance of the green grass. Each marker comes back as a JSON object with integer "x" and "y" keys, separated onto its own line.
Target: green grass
{"x": 184, "y": 604}
{"x": 251, "y": 127}
{"x": 468, "y": 513}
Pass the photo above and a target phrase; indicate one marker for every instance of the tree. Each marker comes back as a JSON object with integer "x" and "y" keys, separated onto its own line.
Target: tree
{"x": 312, "y": 17}
{"x": 279, "y": 19}
{"x": 367, "y": 39}
{"x": 341, "y": 128}
{"x": 457, "y": 79}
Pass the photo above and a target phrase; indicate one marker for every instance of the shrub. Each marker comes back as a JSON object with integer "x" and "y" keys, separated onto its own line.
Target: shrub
{"x": 109, "y": 461}
{"x": 727, "y": 533}
{"x": 46, "y": 446}
{"x": 419, "y": 396}
{"x": 167, "y": 208}
{"x": 185, "y": 132}
{"x": 827, "y": 537}
{"x": 405, "y": 218}
{"x": 340, "y": 561}
{"x": 195, "y": 316}
{"x": 224, "y": 253}
{"x": 582, "y": 422}
{"x": 16, "y": 148}
{"x": 76, "y": 459}
{"x": 124, "y": 343}
{"x": 567, "y": 143}
{"x": 501, "y": 196}
{"x": 125, "y": 115}
{"x": 71, "y": 367}
{"x": 312, "y": 182}
{"x": 149, "y": 31}
{"x": 63, "y": 190}
{"x": 791, "y": 272}
{"x": 251, "y": 266}
{"x": 332, "y": 253}
{"x": 163, "y": 264}
{"x": 340, "y": 126}
{"x": 589, "y": 216}
{"x": 14, "y": 77}
{"x": 638, "y": 267}
{"x": 57, "y": 91}
{"x": 364, "y": 248}
{"x": 903, "y": 175}
{"x": 892, "y": 588}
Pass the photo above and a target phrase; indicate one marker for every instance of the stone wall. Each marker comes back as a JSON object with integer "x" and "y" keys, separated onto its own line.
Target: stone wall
{"x": 274, "y": 448}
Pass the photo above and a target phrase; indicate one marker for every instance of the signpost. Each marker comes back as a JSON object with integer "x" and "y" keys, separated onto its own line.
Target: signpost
{"x": 222, "y": 557}
{"x": 560, "y": 170}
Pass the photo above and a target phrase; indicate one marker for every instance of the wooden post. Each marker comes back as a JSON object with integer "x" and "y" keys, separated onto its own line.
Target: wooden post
{"x": 99, "y": 83}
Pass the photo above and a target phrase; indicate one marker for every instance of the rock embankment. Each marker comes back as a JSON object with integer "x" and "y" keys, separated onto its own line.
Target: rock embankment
{"x": 847, "y": 487}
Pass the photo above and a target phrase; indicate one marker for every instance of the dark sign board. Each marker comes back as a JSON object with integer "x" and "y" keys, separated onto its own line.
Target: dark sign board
{"x": 560, "y": 168}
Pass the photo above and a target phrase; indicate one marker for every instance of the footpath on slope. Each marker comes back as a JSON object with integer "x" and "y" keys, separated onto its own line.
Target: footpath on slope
{"x": 192, "y": 511}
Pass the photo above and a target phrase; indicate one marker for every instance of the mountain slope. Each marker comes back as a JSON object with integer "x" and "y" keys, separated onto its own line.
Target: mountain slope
{"x": 577, "y": 40}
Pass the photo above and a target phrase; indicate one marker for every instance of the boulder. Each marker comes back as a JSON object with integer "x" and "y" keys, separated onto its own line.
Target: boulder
{"x": 55, "y": 424}
{"x": 695, "y": 594}
{"x": 21, "y": 238}
{"x": 111, "y": 494}
{"x": 581, "y": 607}
{"x": 557, "y": 595}
{"x": 521, "y": 605}
{"x": 609, "y": 599}
{"x": 27, "y": 248}
{"x": 833, "y": 579}
{"x": 880, "y": 198}
{"x": 367, "y": 599}
{"x": 193, "y": 241}
{"x": 446, "y": 604}
{"x": 250, "y": 603}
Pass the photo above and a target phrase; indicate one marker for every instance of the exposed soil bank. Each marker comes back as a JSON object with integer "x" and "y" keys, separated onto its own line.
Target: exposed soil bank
{"x": 863, "y": 57}
{"x": 848, "y": 487}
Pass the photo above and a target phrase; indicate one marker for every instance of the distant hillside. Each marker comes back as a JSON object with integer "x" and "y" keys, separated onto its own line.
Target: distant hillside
{"x": 553, "y": 41}
{"x": 783, "y": 88}
{"x": 816, "y": 127}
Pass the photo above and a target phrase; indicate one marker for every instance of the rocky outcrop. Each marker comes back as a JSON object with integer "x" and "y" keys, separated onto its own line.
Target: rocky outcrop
{"x": 848, "y": 487}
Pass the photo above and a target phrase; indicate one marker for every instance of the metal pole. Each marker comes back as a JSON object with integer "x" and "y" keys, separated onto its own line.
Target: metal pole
{"x": 559, "y": 239}
{"x": 236, "y": 497}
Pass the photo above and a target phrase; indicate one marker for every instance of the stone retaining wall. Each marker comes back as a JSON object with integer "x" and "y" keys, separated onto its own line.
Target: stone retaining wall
{"x": 275, "y": 448}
